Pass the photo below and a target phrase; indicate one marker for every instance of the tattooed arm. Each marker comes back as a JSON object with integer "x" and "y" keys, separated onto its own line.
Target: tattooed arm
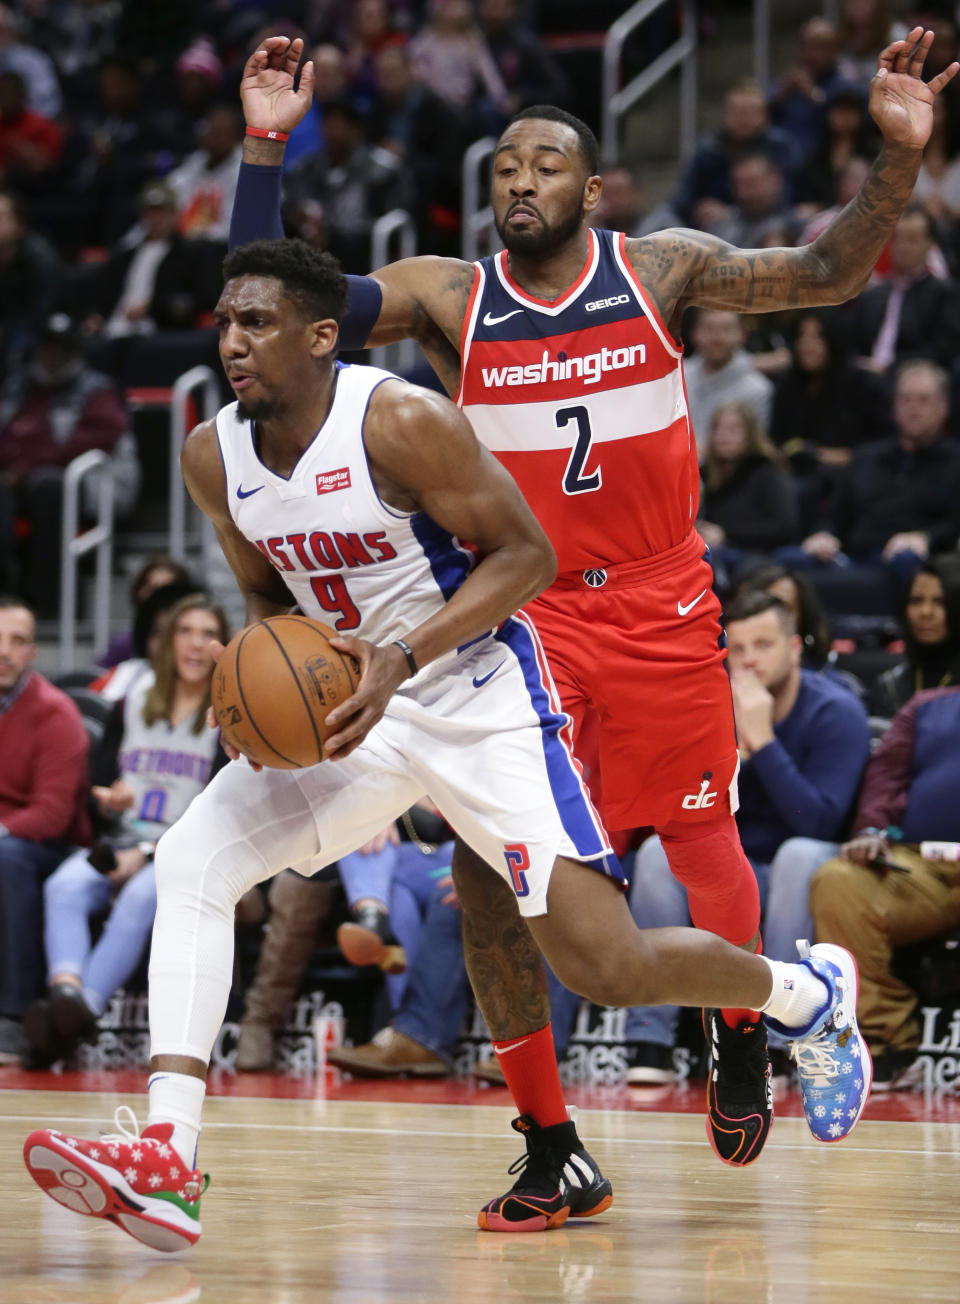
{"x": 425, "y": 299}
{"x": 682, "y": 268}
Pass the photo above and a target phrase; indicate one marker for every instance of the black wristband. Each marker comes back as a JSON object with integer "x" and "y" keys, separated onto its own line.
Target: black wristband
{"x": 408, "y": 653}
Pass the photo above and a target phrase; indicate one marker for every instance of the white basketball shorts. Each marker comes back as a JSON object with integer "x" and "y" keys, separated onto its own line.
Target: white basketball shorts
{"x": 482, "y": 735}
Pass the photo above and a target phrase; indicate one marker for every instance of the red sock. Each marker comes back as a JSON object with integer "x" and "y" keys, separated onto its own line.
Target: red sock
{"x": 530, "y": 1066}
{"x": 709, "y": 860}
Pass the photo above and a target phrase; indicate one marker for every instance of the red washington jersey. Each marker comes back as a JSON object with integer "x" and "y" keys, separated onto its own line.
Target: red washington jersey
{"x": 582, "y": 400}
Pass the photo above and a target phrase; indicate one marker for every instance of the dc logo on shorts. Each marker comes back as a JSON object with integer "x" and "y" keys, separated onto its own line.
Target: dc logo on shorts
{"x": 595, "y": 579}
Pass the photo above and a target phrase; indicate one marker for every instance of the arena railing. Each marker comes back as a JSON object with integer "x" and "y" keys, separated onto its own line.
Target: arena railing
{"x": 394, "y": 231}
{"x": 617, "y": 100}
{"x": 477, "y": 215}
{"x": 98, "y": 538}
{"x": 184, "y": 414}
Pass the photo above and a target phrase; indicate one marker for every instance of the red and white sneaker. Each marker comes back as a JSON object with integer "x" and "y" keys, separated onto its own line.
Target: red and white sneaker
{"x": 137, "y": 1181}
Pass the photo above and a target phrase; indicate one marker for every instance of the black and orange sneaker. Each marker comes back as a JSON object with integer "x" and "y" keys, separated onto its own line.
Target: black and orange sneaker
{"x": 739, "y": 1090}
{"x": 557, "y": 1180}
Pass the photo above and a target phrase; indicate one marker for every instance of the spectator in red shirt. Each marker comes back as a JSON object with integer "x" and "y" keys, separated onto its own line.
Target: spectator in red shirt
{"x": 30, "y": 144}
{"x": 43, "y": 792}
{"x": 50, "y": 412}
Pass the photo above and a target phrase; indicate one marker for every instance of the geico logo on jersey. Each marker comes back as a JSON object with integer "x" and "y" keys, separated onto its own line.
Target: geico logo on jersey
{"x": 607, "y": 303}
{"x": 589, "y": 367}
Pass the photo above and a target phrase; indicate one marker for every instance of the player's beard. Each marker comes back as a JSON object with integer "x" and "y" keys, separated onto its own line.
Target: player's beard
{"x": 260, "y": 410}
{"x": 540, "y": 244}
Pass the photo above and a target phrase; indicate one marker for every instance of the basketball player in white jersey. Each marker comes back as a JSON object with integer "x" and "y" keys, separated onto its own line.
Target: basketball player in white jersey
{"x": 348, "y": 490}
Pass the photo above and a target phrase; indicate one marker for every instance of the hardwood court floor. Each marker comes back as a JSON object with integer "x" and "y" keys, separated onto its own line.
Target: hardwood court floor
{"x": 355, "y": 1201}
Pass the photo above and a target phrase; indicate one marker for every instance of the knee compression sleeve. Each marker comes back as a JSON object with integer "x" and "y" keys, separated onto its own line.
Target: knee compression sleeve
{"x": 721, "y": 885}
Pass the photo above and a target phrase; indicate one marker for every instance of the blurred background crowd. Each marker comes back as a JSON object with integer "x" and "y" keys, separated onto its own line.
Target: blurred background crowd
{"x": 829, "y": 443}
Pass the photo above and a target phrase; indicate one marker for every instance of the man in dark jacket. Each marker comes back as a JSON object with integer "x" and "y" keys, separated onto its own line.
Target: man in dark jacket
{"x": 897, "y": 501}
{"x": 154, "y": 279}
{"x": 703, "y": 196}
{"x": 30, "y": 280}
{"x": 333, "y": 197}
{"x": 428, "y": 138}
{"x": 912, "y": 314}
{"x": 529, "y": 71}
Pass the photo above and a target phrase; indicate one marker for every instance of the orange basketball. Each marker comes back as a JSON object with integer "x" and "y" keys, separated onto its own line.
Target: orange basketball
{"x": 275, "y": 684}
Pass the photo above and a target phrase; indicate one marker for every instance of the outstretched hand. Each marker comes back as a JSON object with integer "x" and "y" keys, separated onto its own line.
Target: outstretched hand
{"x": 269, "y": 100}
{"x": 901, "y": 103}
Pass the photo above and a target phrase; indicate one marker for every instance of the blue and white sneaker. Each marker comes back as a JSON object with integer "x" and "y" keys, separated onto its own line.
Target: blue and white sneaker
{"x": 833, "y": 1062}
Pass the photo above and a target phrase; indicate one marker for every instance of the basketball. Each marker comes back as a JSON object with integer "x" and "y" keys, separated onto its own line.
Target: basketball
{"x": 274, "y": 686}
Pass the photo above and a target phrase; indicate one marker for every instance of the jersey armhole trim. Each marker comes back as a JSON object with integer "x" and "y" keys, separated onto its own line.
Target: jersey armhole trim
{"x": 469, "y": 323}
{"x": 232, "y": 408}
{"x": 673, "y": 347}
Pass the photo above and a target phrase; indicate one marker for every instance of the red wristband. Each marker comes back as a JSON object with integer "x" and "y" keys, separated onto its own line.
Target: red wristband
{"x": 268, "y": 135}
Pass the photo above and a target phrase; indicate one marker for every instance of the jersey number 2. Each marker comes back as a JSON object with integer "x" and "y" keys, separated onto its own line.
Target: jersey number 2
{"x": 574, "y": 479}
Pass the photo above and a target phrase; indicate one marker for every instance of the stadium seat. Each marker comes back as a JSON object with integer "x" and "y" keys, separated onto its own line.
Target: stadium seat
{"x": 81, "y": 677}
{"x": 96, "y": 711}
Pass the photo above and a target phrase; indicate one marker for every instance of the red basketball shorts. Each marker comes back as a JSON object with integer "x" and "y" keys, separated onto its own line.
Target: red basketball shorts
{"x": 637, "y": 656}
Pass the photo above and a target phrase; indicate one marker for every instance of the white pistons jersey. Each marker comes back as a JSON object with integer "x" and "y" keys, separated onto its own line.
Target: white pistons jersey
{"x": 166, "y": 765}
{"x": 480, "y": 731}
{"x": 347, "y": 558}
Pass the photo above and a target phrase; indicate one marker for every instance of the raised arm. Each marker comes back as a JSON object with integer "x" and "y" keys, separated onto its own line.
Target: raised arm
{"x": 683, "y": 268}
{"x": 424, "y": 299}
{"x": 264, "y": 592}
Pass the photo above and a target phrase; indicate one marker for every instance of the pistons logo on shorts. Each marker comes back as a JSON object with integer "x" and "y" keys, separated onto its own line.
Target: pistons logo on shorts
{"x": 518, "y": 860}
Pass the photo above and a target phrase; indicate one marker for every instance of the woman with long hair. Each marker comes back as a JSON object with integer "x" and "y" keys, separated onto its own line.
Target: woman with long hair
{"x": 931, "y": 635}
{"x": 157, "y": 753}
{"x": 748, "y": 504}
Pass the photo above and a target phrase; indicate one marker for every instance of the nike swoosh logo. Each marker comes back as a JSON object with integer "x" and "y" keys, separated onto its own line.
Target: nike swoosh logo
{"x": 247, "y": 493}
{"x": 502, "y": 1050}
{"x": 682, "y": 610}
{"x": 479, "y": 683}
{"x": 495, "y": 321}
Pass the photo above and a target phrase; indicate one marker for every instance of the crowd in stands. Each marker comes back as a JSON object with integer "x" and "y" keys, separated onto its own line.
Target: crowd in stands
{"x": 829, "y": 444}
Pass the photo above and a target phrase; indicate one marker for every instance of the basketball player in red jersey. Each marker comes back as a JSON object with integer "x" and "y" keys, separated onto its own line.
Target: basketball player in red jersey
{"x": 563, "y": 352}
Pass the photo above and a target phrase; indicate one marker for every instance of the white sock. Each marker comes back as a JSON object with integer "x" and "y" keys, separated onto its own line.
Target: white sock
{"x": 798, "y": 995}
{"x": 177, "y": 1098}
